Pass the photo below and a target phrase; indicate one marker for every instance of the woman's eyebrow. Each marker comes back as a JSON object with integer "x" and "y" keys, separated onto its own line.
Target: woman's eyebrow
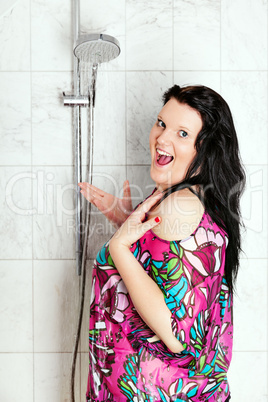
{"x": 181, "y": 127}
{"x": 185, "y": 128}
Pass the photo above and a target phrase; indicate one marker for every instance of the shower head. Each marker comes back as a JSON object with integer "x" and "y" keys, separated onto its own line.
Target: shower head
{"x": 96, "y": 48}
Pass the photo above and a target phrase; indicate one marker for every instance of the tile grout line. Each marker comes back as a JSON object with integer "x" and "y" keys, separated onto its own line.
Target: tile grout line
{"x": 145, "y": 70}
{"x": 221, "y": 45}
{"x": 32, "y": 195}
{"x": 102, "y": 165}
{"x": 126, "y": 170}
{"x": 173, "y": 41}
{"x": 266, "y": 165}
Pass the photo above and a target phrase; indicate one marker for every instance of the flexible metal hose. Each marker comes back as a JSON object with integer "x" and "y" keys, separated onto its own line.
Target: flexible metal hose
{"x": 92, "y": 91}
{"x": 81, "y": 304}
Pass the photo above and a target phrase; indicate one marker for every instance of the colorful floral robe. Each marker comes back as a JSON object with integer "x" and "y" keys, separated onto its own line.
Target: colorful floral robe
{"x": 124, "y": 365}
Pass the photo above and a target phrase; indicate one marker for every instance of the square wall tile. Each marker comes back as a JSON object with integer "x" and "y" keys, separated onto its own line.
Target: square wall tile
{"x": 84, "y": 341}
{"x": 16, "y": 328}
{"x": 144, "y": 102}
{"x": 248, "y": 377}
{"x": 141, "y": 184}
{"x": 211, "y": 79}
{"x": 108, "y": 18}
{"x": 15, "y": 35}
{"x": 246, "y": 94}
{"x": 56, "y": 302}
{"x": 53, "y": 142}
{"x": 251, "y": 301}
{"x": 17, "y": 211}
{"x": 197, "y": 35}
{"x": 149, "y": 35}
{"x": 109, "y": 179}
{"x": 254, "y": 212}
{"x": 16, "y": 376}
{"x": 103, "y": 17}
{"x": 54, "y": 190}
{"x": 84, "y": 373}
{"x": 51, "y": 33}
{"x": 244, "y": 35}
{"x": 110, "y": 119}
{"x": 52, "y": 372}
{"x": 15, "y": 117}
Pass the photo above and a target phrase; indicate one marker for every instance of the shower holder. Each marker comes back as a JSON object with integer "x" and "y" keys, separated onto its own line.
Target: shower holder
{"x": 72, "y": 100}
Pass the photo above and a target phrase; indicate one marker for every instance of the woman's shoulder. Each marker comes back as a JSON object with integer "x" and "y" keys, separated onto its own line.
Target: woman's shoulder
{"x": 181, "y": 213}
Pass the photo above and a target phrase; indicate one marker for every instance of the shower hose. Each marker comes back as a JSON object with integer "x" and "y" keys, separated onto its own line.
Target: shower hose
{"x": 87, "y": 225}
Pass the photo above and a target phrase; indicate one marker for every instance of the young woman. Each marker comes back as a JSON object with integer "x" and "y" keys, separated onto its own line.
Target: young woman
{"x": 161, "y": 306}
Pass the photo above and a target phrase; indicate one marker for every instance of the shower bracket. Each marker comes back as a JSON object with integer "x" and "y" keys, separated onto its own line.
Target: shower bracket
{"x": 76, "y": 100}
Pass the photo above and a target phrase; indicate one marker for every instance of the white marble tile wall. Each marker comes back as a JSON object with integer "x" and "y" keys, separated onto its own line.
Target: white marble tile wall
{"x": 107, "y": 17}
{"x": 244, "y": 35}
{"x": 110, "y": 179}
{"x": 197, "y": 33}
{"x": 15, "y": 117}
{"x": 149, "y": 29}
{"x": 51, "y": 35}
{"x": 15, "y": 35}
{"x": 55, "y": 312}
{"x": 221, "y": 44}
{"x": 246, "y": 94}
{"x": 53, "y": 221}
{"x": 16, "y": 212}
{"x": 16, "y": 335}
{"x": 110, "y": 122}
{"x": 52, "y": 141}
{"x": 144, "y": 100}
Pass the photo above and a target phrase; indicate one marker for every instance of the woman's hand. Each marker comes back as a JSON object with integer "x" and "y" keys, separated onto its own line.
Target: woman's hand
{"x": 134, "y": 228}
{"x": 115, "y": 209}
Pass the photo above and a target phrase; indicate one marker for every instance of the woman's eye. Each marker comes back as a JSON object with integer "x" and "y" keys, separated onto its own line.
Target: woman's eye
{"x": 160, "y": 123}
{"x": 183, "y": 134}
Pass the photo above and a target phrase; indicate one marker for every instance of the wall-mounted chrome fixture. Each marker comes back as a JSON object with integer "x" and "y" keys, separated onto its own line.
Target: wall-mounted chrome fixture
{"x": 96, "y": 48}
{"x": 72, "y": 100}
{"x": 93, "y": 49}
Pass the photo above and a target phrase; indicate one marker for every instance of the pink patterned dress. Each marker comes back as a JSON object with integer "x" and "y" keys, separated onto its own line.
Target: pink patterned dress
{"x": 124, "y": 366}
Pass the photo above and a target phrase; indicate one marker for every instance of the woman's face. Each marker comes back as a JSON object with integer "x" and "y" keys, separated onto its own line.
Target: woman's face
{"x": 174, "y": 133}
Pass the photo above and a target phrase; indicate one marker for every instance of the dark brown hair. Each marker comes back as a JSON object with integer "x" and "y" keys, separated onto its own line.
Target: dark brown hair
{"x": 216, "y": 168}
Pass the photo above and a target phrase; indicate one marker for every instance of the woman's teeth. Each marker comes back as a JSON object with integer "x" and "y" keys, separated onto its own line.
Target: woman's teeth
{"x": 163, "y": 158}
{"x": 162, "y": 152}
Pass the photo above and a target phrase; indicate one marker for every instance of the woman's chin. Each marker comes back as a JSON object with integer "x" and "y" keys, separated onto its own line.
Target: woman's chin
{"x": 162, "y": 182}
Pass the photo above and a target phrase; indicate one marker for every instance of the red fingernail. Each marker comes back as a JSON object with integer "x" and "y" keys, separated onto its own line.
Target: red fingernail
{"x": 157, "y": 219}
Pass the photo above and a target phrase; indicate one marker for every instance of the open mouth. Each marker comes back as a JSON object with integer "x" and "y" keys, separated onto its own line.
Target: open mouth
{"x": 163, "y": 158}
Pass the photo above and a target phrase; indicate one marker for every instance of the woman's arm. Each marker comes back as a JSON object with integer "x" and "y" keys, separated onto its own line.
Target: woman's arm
{"x": 144, "y": 292}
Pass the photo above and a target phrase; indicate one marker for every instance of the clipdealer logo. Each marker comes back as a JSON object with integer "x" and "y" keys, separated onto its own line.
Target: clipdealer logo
{"x": 44, "y": 196}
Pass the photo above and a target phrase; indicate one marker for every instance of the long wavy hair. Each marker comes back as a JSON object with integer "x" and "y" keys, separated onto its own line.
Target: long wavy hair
{"x": 216, "y": 170}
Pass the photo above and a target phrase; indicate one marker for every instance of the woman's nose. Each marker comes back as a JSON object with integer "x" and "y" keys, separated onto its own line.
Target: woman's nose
{"x": 164, "y": 137}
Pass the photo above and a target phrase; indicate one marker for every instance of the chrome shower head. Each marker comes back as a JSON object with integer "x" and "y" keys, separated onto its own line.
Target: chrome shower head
{"x": 96, "y": 48}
